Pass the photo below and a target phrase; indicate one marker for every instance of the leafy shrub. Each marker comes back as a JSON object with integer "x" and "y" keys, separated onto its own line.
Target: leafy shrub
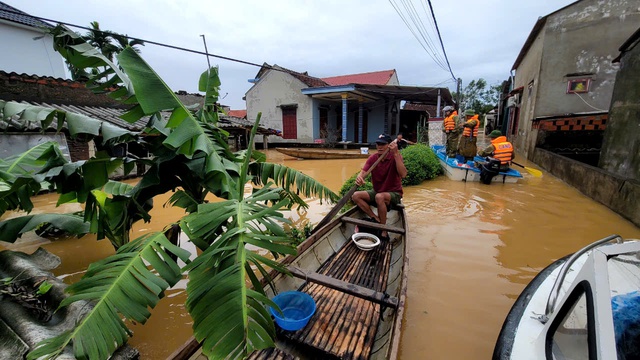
{"x": 421, "y": 163}
{"x": 368, "y": 185}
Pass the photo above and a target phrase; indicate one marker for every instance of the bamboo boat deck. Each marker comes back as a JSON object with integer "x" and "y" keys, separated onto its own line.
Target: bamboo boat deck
{"x": 344, "y": 325}
{"x": 359, "y": 295}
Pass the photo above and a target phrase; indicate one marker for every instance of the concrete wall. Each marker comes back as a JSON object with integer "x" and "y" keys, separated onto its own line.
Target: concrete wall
{"x": 22, "y": 54}
{"x": 620, "y": 152}
{"x": 582, "y": 38}
{"x": 394, "y": 79}
{"x": 274, "y": 89}
{"x": 617, "y": 193}
{"x": 527, "y": 72}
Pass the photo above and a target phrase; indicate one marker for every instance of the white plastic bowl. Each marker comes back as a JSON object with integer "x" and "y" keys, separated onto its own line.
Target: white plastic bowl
{"x": 365, "y": 241}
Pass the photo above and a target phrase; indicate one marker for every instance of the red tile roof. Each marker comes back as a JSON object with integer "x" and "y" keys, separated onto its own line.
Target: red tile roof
{"x": 371, "y": 78}
{"x": 238, "y": 113}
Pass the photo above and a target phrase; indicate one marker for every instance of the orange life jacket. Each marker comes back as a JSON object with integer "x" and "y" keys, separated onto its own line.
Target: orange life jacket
{"x": 467, "y": 130}
{"x": 449, "y": 122}
{"x": 503, "y": 150}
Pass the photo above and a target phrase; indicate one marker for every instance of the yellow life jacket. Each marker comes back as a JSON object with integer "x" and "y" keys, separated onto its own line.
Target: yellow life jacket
{"x": 503, "y": 150}
{"x": 449, "y": 122}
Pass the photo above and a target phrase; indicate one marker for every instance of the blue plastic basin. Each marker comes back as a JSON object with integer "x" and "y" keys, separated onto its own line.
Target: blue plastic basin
{"x": 297, "y": 307}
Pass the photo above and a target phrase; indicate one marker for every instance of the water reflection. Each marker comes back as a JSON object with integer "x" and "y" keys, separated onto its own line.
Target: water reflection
{"x": 472, "y": 248}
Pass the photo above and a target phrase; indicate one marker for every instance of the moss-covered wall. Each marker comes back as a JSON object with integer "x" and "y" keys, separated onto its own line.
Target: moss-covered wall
{"x": 620, "y": 152}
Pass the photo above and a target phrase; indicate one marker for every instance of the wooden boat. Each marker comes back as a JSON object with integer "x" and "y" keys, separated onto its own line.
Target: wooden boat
{"x": 315, "y": 153}
{"x": 359, "y": 295}
{"x": 583, "y": 306}
{"x": 467, "y": 171}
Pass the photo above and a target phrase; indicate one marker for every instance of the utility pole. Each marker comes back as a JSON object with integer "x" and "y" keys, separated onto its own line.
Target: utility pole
{"x": 458, "y": 90}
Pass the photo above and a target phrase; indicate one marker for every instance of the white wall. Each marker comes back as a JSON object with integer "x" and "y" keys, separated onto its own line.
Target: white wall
{"x": 274, "y": 89}
{"x": 22, "y": 54}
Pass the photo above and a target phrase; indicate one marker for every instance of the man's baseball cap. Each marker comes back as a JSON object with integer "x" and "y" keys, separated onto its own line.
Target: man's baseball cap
{"x": 383, "y": 139}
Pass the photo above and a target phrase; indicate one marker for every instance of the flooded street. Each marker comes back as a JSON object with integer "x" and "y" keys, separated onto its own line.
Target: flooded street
{"x": 472, "y": 249}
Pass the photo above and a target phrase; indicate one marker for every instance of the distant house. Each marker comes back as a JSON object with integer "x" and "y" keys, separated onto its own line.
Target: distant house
{"x": 352, "y": 108}
{"x": 26, "y": 46}
{"x": 564, "y": 79}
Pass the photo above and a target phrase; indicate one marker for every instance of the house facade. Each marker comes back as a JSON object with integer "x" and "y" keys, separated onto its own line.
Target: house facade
{"x": 343, "y": 109}
{"x": 27, "y": 47}
{"x": 564, "y": 78}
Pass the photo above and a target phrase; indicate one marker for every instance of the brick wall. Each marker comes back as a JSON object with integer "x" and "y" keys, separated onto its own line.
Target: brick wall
{"x": 78, "y": 149}
{"x": 574, "y": 123}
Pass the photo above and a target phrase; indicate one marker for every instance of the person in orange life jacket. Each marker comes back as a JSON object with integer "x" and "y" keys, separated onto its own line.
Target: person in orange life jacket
{"x": 467, "y": 146}
{"x": 451, "y": 130}
{"x": 402, "y": 142}
{"x": 386, "y": 178}
{"x": 500, "y": 149}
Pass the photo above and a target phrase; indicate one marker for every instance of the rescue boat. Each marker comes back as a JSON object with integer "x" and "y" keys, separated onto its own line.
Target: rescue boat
{"x": 583, "y": 306}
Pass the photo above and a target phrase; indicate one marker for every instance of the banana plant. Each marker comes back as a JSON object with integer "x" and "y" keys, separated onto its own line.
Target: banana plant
{"x": 189, "y": 155}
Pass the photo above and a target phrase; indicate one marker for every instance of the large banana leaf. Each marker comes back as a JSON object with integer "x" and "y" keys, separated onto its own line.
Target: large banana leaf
{"x": 292, "y": 181}
{"x": 230, "y": 319}
{"x": 12, "y": 229}
{"x": 121, "y": 286}
{"x": 21, "y": 178}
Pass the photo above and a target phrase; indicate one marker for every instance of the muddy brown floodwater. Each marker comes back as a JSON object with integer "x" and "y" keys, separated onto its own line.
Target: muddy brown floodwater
{"x": 472, "y": 249}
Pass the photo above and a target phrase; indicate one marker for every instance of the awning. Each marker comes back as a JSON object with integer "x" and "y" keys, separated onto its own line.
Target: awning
{"x": 370, "y": 93}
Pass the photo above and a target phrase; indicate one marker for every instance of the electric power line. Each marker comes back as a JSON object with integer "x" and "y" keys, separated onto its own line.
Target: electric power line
{"x": 440, "y": 37}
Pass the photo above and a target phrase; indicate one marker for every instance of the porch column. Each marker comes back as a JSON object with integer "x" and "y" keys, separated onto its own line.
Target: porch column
{"x": 438, "y": 106}
{"x": 385, "y": 128}
{"x": 344, "y": 118}
{"x": 360, "y": 110}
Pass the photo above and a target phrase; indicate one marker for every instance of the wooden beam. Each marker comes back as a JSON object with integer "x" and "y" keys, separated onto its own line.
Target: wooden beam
{"x": 351, "y": 289}
{"x": 373, "y": 225}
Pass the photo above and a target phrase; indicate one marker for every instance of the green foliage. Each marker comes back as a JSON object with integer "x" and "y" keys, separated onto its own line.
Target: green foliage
{"x": 480, "y": 97}
{"x": 350, "y": 182}
{"x": 188, "y": 152}
{"x": 421, "y": 163}
{"x": 300, "y": 234}
{"x": 44, "y": 288}
{"x": 121, "y": 286}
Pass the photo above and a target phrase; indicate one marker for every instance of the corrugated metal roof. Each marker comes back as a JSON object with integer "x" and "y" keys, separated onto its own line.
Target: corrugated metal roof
{"x": 10, "y": 13}
{"x": 112, "y": 116}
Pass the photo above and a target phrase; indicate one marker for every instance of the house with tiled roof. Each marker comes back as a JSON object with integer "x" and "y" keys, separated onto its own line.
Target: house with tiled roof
{"x": 350, "y": 109}
{"x": 27, "y": 48}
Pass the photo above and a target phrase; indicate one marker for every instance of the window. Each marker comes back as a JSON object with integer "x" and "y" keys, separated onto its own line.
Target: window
{"x": 578, "y": 86}
{"x": 530, "y": 89}
{"x": 289, "y": 123}
{"x": 571, "y": 335}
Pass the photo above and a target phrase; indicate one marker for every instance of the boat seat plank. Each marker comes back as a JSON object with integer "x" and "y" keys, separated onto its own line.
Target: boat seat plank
{"x": 373, "y": 225}
{"x": 345, "y": 325}
{"x": 351, "y": 289}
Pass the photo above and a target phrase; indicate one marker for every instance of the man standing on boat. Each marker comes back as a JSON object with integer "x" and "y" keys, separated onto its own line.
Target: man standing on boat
{"x": 467, "y": 146}
{"x": 450, "y": 128}
{"x": 500, "y": 149}
{"x": 386, "y": 177}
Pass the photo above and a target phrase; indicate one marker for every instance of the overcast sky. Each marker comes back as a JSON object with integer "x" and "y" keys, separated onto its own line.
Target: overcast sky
{"x": 323, "y": 37}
